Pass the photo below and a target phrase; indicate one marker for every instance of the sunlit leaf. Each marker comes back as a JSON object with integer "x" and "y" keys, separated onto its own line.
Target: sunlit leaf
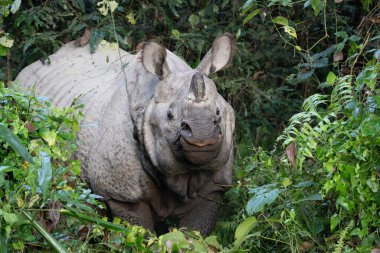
{"x": 131, "y": 18}
{"x": 280, "y": 21}
{"x": 49, "y": 136}
{"x": 331, "y": 77}
{"x": 258, "y": 202}
{"x": 371, "y": 127}
{"x": 291, "y": 31}
{"x": 251, "y": 15}
{"x": 317, "y": 6}
{"x": 15, "y": 143}
{"x": 11, "y": 218}
{"x": 243, "y": 229}
{"x": 194, "y": 20}
{"x": 44, "y": 174}
{"x": 6, "y": 42}
{"x": 15, "y": 6}
{"x": 334, "y": 221}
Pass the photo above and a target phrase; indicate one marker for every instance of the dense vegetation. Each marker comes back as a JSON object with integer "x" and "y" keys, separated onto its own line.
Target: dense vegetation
{"x": 304, "y": 86}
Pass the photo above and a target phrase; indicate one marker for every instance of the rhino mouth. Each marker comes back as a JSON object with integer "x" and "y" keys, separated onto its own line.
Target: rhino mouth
{"x": 198, "y": 151}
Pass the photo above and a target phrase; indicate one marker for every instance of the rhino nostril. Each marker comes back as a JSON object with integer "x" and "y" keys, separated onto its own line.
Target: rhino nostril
{"x": 217, "y": 120}
{"x": 185, "y": 128}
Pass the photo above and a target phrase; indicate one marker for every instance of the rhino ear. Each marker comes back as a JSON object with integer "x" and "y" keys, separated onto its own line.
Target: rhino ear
{"x": 153, "y": 59}
{"x": 220, "y": 55}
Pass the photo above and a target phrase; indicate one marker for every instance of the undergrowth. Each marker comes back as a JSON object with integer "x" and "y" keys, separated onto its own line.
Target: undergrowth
{"x": 317, "y": 191}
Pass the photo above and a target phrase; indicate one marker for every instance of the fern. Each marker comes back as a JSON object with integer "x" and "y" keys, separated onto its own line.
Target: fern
{"x": 341, "y": 94}
{"x": 310, "y": 127}
{"x": 343, "y": 234}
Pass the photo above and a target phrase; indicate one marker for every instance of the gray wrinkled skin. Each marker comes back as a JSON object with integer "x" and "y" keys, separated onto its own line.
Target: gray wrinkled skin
{"x": 156, "y": 144}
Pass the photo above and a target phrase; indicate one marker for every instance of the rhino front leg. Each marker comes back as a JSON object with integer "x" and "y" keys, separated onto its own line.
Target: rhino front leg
{"x": 135, "y": 213}
{"x": 203, "y": 213}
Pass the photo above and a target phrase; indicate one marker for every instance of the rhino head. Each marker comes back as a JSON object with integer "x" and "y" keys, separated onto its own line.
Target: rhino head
{"x": 187, "y": 125}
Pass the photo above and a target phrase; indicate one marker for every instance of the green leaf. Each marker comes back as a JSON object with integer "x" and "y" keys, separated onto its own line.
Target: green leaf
{"x": 45, "y": 234}
{"x": 131, "y": 18}
{"x": 15, "y": 143}
{"x": 313, "y": 197}
{"x": 251, "y": 15}
{"x": 292, "y": 214}
{"x": 243, "y": 229}
{"x": 215, "y": 8}
{"x": 334, "y": 221}
{"x": 176, "y": 33}
{"x": 87, "y": 218}
{"x": 262, "y": 198}
{"x": 331, "y": 77}
{"x": 373, "y": 185}
{"x": 5, "y": 2}
{"x": 280, "y": 21}
{"x": 291, "y": 31}
{"x": 176, "y": 237}
{"x": 377, "y": 54}
{"x": 317, "y": 6}
{"x": 15, "y": 6}
{"x": 213, "y": 241}
{"x": 286, "y": 182}
{"x": 4, "y": 169}
{"x": 3, "y": 243}
{"x": 48, "y": 135}
{"x": 341, "y": 34}
{"x": 194, "y": 20}
{"x": 113, "y": 5}
{"x": 371, "y": 128}
{"x": 44, "y": 174}
{"x": 6, "y": 42}
{"x": 11, "y": 218}
{"x": 198, "y": 247}
{"x": 301, "y": 77}
{"x": 3, "y": 50}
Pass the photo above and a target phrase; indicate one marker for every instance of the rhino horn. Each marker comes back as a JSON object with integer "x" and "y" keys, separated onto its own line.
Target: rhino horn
{"x": 197, "y": 86}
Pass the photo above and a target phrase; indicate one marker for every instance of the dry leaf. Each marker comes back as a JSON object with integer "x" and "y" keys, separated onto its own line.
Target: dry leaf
{"x": 305, "y": 246}
{"x": 82, "y": 41}
{"x": 257, "y": 74}
{"x": 30, "y": 127}
{"x": 338, "y": 56}
{"x": 375, "y": 251}
{"x": 291, "y": 151}
{"x": 83, "y": 232}
{"x": 54, "y": 213}
{"x": 338, "y": 1}
{"x": 375, "y": 20}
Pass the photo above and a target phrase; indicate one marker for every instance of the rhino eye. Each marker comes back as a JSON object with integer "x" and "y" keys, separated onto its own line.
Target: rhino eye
{"x": 217, "y": 111}
{"x": 170, "y": 115}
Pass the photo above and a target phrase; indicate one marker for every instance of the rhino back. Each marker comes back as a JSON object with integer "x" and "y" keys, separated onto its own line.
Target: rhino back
{"x": 106, "y": 147}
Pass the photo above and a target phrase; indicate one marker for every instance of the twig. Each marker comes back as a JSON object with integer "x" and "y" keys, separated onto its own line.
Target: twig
{"x": 360, "y": 52}
{"x": 8, "y": 69}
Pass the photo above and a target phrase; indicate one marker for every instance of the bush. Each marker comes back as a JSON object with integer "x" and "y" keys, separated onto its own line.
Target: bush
{"x": 319, "y": 194}
{"x": 323, "y": 195}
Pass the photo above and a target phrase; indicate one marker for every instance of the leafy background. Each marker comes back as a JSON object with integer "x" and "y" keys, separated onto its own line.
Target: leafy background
{"x": 304, "y": 86}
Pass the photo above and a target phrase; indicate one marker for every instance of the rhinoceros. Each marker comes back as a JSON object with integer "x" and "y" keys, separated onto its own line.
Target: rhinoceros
{"x": 156, "y": 138}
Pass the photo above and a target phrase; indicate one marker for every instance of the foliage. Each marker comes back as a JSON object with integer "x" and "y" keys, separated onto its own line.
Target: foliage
{"x": 322, "y": 195}
{"x": 40, "y": 189}
{"x": 257, "y": 91}
{"x": 328, "y": 198}
{"x": 339, "y": 135}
